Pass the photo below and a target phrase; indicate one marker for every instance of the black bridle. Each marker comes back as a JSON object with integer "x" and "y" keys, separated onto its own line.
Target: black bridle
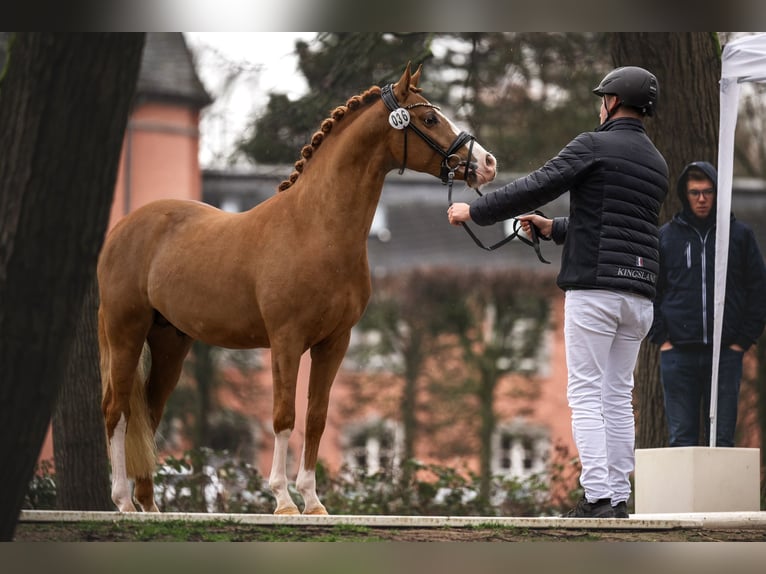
{"x": 399, "y": 118}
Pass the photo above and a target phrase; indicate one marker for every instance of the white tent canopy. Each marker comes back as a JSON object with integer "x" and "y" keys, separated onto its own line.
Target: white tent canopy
{"x": 743, "y": 60}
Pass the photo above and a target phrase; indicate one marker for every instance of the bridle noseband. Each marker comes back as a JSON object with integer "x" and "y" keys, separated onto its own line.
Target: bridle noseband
{"x": 399, "y": 118}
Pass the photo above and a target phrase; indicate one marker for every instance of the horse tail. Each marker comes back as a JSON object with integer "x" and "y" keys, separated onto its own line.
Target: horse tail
{"x": 105, "y": 364}
{"x": 140, "y": 446}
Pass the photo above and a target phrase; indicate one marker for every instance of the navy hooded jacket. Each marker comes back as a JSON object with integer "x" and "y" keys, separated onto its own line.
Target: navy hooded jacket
{"x": 617, "y": 181}
{"x": 683, "y": 307}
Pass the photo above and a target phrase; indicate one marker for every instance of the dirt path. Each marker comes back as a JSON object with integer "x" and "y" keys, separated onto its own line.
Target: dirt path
{"x": 217, "y": 531}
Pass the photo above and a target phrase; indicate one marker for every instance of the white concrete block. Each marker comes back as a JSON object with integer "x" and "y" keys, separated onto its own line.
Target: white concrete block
{"x": 697, "y": 479}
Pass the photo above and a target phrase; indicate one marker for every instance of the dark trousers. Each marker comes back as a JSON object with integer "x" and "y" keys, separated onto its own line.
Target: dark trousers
{"x": 685, "y": 376}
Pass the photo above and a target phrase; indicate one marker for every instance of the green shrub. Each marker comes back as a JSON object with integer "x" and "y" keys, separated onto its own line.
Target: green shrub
{"x": 204, "y": 480}
{"x": 41, "y": 491}
{"x": 211, "y": 481}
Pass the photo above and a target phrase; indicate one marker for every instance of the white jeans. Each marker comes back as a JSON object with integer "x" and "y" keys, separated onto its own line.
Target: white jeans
{"x": 603, "y": 331}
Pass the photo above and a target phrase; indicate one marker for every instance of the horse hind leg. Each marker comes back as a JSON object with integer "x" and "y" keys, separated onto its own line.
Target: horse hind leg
{"x": 120, "y": 485}
{"x": 326, "y": 359}
{"x": 122, "y": 405}
{"x": 168, "y": 348}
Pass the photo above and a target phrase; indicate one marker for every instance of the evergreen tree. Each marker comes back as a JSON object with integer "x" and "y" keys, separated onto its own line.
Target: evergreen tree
{"x": 522, "y": 94}
{"x": 340, "y": 66}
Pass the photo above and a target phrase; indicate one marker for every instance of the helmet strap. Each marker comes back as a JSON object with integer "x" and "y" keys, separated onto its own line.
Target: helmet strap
{"x": 610, "y": 112}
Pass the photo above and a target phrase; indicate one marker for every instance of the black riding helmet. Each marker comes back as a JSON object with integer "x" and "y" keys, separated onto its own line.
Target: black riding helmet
{"x": 633, "y": 86}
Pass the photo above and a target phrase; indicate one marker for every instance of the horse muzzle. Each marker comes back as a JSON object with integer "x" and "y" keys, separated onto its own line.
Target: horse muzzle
{"x": 480, "y": 171}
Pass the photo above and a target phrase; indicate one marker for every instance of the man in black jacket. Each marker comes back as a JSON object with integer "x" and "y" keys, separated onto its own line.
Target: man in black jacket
{"x": 683, "y": 310}
{"x": 617, "y": 181}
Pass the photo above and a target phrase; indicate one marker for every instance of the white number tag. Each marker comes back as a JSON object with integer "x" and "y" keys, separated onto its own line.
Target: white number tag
{"x": 399, "y": 118}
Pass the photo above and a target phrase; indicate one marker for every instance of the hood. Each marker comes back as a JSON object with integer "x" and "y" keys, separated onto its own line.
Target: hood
{"x": 706, "y": 167}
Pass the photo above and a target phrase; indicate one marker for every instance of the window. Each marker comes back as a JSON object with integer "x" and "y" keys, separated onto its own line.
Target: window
{"x": 525, "y": 358}
{"x": 369, "y": 352}
{"x": 520, "y": 451}
{"x": 372, "y": 446}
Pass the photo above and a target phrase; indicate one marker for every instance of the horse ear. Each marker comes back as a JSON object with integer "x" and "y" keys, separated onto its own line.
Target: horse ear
{"x": 415, "y": 79}
{"x": 402, "y": 87}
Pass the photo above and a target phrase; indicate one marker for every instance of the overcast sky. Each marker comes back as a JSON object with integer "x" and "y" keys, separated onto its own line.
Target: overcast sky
{"x": 267, "y": 64}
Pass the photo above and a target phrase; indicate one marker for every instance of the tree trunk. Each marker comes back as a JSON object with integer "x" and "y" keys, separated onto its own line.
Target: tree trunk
{"x": 684, "y": 129}
{"x": 79, "y": 444}
{"x": 204, "y": 374}
{"x": 64, "y": 103}
{"x": 760, "y": 389}
{"x": 651, "y": 425}
{"x": 412, "y": 368}
{"x": 488, "y": 379}
{"x": 487, "y": 386}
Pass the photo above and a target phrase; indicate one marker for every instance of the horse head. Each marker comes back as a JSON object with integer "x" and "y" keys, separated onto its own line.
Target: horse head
{"x": 429, "y": 141}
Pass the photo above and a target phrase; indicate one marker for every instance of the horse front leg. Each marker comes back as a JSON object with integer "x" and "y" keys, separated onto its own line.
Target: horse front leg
{"x": 278, "y": 476}
{"x": 326, "y": 358}
{"x": 285, "y": 375}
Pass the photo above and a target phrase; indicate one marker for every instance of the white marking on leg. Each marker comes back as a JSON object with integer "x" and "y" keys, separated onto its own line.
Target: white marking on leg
{"x": 307, "y": 486}
{"x": 278, "y": 476}
{"x": 120, "y": 485}
{"x": 151, "y": 507}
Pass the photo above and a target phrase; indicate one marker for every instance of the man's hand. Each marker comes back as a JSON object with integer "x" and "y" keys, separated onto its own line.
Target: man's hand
{"x": 543, "y": 224}
{"x": 458, "y": 213}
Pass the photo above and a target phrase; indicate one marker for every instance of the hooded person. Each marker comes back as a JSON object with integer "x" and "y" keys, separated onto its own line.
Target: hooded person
{"x": 683, "y": 310}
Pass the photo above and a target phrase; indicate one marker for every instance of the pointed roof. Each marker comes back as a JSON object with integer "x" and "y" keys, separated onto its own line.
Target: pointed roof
{"x": 168, "y": 71}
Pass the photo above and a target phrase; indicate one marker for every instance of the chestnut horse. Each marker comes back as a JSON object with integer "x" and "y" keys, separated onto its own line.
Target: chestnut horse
{"x": 290, "y": 274}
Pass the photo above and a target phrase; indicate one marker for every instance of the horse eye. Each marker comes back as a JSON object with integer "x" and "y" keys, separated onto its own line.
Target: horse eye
{"x": 431, "y": 120}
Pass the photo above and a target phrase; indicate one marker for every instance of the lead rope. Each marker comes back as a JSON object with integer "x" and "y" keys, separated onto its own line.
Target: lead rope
{"x": 534, "y": 242}
{"x": 448, "y": 171}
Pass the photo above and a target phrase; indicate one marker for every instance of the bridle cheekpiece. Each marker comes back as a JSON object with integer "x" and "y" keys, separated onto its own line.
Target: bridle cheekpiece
{"x": 399, "y": 118}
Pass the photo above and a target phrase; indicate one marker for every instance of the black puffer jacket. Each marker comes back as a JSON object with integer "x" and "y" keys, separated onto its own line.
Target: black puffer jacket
{"x": 683, "y": 308}
{"x": 617, "y": 181}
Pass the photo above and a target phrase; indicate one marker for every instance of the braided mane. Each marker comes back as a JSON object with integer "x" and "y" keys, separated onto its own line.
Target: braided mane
{"x": 337, "y": 114}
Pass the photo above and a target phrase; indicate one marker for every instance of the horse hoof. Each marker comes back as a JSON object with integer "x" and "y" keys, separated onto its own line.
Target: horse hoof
{"x": 126, "y": 507}
{"x": 287, "y": 511}
{"x": 318, "y": 511}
